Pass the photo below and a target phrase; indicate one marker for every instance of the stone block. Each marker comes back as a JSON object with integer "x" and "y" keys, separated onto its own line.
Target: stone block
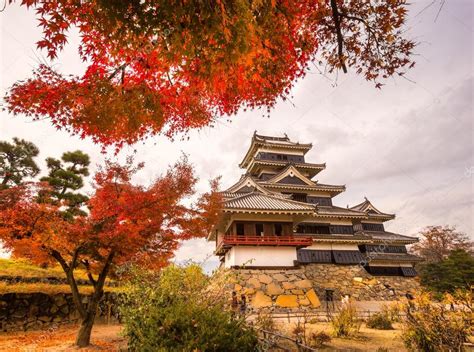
{"x": 249, "y": 290}
{"x": 253, "y": 282}
{"x": 265, "y": 279}
{"x": 297, "y": 292}
{"x": 274, "y": 289}
{"x": 287, "y": 301}
{"x": 279, "y": 277}
{"x": 261, "y": 300}
{"x": 304, "y": 302}
{"x": 288, "y": 285}
{"x": 303, "y": 284}
{"x": 313, "y": 298}
{"x": 237, "y": 287}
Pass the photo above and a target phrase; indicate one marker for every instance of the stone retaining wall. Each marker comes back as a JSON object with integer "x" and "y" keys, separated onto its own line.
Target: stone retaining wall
{"x": 29, "y": 311}
{"x": 305, "y": 287}
{"x": 274, "y": 289}
{"x": 358, "y": 283}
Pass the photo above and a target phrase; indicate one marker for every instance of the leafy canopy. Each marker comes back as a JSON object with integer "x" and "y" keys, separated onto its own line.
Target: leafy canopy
{"x": 454, "y": 272}
{"x": 172, "y": 66}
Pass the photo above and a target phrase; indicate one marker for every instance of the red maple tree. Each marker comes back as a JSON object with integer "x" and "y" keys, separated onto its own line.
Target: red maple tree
{"x": 124, "y": 223}
{"x": 171, "y": 66}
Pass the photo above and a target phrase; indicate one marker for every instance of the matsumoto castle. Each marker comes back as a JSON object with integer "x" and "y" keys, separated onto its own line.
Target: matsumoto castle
{"x": 277, "y": 217}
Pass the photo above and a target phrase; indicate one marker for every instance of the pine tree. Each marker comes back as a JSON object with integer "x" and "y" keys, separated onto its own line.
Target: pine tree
{"x": 16, "y": 162}
{"x": 65, "y": 177}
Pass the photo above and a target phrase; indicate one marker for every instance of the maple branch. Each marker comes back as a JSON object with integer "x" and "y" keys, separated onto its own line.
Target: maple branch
{"x": 340, "y": 41}
{"x": 89, "y": 273}
{"x": 367, "y": 26}
{"x": 103, "y": 274}
{"x": 72, "y": 282}
{"x": 117, "y": 70}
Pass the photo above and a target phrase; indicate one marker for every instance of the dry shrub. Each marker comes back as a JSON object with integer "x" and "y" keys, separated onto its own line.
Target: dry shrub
{"x": 346, "y": 323}
{"x": 318, "y": 339}
{"x": 299, "y": 332}
{"x": 433, "y": 327}
{"x": 380, "y": 321}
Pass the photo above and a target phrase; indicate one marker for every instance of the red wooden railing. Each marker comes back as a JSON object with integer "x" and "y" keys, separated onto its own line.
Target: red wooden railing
{"x": 235, "y": 240}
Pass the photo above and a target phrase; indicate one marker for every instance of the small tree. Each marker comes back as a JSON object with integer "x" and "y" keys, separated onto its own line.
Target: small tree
{"x": 17, "y": 162}
{"x": 438, "y": 241}
{"x": 123, "y": 223}
{"x": 454, "y": 272}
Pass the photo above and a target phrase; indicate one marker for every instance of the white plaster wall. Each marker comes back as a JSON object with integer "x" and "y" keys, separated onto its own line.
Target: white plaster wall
{"x": 332, "y": 221}
{"x": 260, "y": 256}
{"x": 403, "y": 264}
{"x": 337, "y": 247}
{"x": 280, "y": 150}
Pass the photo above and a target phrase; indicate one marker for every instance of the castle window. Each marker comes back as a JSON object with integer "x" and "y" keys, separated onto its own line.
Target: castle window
{"x": 278, "y": 229}
{"x": 240, "y": 229}
{"x": 341, "y": 229}
{"x": 324, "y": 201}
{"x": 372, "y": 227}
{"x": 259, "y": 229}
{"x": 300, "y": 197}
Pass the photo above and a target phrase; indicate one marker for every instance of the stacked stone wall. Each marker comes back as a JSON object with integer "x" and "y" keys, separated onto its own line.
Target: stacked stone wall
{"x": 305, "y": 287}
{"x": 354, "y": 281}
{"x": 30, "y": 311}
{"x": 274, "y": 289}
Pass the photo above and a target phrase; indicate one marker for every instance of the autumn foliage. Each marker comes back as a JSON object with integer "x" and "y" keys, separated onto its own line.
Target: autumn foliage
{"x": 123, "y": 223}
{"x": 171, "y": 66}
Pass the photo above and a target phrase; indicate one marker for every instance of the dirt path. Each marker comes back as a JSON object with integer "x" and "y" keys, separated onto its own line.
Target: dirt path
{"x": 367, "y": 339}
{"x": 104, "y": 338}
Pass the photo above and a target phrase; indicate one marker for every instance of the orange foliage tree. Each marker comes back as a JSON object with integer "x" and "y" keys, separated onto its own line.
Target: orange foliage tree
{"x": 123, "y": 223}
{"x": 171, "y": 66}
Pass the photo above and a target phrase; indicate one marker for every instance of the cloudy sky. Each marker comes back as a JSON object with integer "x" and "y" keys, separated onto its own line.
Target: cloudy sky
{"x": 408, "y": 147}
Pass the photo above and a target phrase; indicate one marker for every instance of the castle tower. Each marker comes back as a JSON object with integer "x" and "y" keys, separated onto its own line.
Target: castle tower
{"x": 277, "y": 216}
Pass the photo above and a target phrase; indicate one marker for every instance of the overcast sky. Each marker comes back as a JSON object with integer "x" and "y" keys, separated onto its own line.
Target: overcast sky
{"x": 408, "y": 147}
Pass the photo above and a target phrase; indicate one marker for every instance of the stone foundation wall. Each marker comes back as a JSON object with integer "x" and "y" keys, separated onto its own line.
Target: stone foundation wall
{"x": 30, "y": 311}
{"x": 275, "y": 289}
{"x": 305, "y": 287}
{"x": 358, "y": 283}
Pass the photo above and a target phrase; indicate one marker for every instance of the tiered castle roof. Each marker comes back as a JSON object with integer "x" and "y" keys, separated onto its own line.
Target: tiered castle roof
{"x": 276, "y": 171}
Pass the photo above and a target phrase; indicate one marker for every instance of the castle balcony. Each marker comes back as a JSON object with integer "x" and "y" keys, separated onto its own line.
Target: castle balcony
{"x": 226, "y": 242}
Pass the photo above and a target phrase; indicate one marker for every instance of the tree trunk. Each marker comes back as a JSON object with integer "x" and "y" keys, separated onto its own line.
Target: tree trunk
{"x": 84, "y": 335}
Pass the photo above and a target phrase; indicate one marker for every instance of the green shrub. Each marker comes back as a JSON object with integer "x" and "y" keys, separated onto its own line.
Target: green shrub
{"x": 431, "y": 326}
{"x": 318, "y": 339}
{"x": 346, "y": 322}
{"x": 380, "y": 321}
{"x": 176, "y": 311}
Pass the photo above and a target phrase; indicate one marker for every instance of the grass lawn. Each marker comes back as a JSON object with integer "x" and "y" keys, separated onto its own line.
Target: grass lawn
{"x": 22, "y": 268}
{"x": 48, "y": 288}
